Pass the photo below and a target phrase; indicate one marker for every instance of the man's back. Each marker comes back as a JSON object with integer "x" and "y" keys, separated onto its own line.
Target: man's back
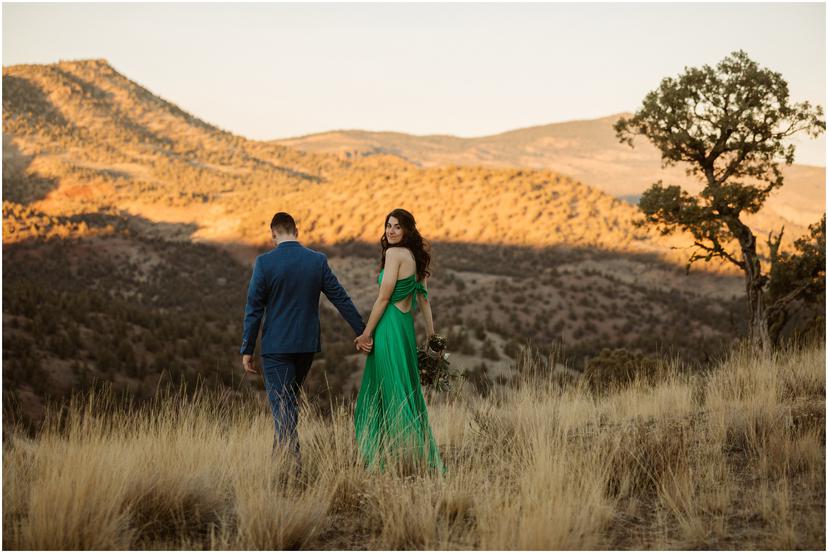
{"x": 284, "y": 290}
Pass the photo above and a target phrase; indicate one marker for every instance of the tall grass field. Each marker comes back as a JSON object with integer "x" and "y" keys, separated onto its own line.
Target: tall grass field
{"x": 729, "y": 458}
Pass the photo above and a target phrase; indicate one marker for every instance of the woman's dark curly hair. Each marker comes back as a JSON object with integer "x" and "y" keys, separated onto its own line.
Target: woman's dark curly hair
{"x": 411, "y": 239}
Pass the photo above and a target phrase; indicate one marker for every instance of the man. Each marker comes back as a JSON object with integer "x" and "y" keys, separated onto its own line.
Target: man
{"x": 284, "y": 290}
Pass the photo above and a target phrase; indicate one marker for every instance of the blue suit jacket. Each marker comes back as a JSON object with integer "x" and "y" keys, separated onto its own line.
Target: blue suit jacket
{"x": 284, "y": 290}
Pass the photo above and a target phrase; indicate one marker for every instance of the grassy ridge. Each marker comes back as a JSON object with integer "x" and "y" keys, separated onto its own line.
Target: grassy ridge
{"x": 731, "y": 458}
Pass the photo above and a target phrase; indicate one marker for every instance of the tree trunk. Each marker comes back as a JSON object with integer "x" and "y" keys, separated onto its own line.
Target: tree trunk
{"x": 755, "y": 281}
{"x": 776, "y": 324}
{"x": 759, "y": 334}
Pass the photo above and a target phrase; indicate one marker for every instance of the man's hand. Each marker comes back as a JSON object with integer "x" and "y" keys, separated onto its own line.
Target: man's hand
{"x": 247, "y": 364}
{"x": 364, "y": 343}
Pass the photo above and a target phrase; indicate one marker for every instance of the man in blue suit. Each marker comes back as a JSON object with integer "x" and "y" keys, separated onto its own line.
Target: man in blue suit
{"x": 284, "y": 290}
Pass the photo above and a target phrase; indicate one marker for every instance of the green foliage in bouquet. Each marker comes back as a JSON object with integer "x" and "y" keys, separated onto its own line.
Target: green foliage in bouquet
{"x": 432, "y": 360}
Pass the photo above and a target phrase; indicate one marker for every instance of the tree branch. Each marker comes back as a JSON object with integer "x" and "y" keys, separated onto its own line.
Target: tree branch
{"x": 782, "y": 301}
{"x": 718, "y": 251}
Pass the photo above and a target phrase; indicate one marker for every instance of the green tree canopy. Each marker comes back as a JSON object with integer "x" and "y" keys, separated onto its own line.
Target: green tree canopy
{"x": 730, "y": 126}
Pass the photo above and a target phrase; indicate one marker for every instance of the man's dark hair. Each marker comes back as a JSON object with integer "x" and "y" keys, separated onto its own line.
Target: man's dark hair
{"x": 283, "y": 223}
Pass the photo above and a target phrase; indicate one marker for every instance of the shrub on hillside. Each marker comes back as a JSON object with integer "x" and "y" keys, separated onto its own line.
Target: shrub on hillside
{"x": 489, "y": 351}
{"x": 617, "y": 368}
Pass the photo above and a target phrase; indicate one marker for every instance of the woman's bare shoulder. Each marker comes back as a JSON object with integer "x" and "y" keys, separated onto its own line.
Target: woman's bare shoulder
{"x": 399, "y": 251}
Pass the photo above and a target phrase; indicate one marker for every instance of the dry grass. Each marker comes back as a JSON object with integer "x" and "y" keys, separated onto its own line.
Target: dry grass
{"x": 730, "y": 459}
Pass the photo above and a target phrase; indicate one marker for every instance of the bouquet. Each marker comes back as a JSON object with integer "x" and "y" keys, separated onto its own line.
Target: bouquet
{"x": 432, "y": 360}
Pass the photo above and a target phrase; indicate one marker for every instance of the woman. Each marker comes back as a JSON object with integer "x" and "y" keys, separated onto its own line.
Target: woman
{"x": 390, "y": 417}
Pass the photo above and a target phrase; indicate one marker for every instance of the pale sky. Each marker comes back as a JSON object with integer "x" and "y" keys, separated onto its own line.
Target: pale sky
{"x": 270, "y": 71}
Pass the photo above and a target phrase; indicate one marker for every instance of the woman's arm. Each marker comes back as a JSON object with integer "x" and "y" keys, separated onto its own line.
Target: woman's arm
{"x": 425, "y": 307}
{"x": 389, "y": 281}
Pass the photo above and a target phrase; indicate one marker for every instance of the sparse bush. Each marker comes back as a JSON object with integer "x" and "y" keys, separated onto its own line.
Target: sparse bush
{"x": 619, "y": 367}
{"x": 511, "y": 349}
{"x": 489, "y": 351}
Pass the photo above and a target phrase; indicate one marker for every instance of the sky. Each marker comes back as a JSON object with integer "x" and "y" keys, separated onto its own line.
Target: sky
{"x": 269, "y": 71}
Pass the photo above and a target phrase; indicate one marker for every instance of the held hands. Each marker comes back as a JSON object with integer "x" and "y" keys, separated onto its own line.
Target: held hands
{"x": 364, "y": 343}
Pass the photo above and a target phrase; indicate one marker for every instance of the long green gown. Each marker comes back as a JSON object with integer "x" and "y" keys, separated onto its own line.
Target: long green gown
{"x": 390, "y": 417}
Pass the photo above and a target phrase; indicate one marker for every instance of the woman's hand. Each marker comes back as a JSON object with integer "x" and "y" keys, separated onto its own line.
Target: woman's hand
{"x": 364, "y": 343}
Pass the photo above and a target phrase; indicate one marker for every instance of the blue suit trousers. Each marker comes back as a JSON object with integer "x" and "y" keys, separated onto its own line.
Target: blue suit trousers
{"x": 283, "y": 377}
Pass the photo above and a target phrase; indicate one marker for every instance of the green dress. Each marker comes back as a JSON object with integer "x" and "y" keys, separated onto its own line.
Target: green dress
{"x": 390, "y": 417}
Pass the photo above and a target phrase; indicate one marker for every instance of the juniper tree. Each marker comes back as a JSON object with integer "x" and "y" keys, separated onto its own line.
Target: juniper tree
{"x": 729, "y": 125}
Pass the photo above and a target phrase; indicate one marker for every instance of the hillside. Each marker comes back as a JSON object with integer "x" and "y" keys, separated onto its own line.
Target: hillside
{"x": 123, "y": 213}
{"x": 586, "y": 150}
{"x": 81, "y": 137}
